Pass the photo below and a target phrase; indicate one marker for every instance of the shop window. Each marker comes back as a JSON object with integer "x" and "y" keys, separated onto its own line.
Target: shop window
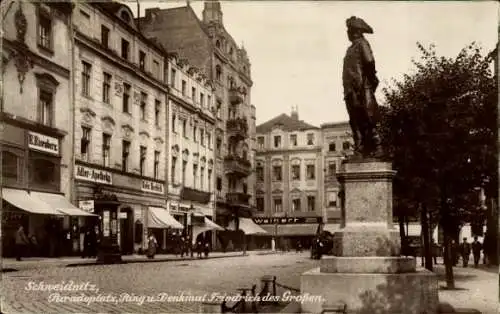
{"x": 10, "y": 165}
{"x": 44, "y": 171}
{"x": 139, "y": 230}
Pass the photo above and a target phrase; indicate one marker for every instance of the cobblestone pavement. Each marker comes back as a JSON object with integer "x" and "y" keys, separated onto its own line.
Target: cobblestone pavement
{"x": 126, "y": 281}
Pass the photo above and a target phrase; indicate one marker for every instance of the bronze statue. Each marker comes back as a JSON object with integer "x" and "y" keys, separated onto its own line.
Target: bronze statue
{"x": 360, "y": 82}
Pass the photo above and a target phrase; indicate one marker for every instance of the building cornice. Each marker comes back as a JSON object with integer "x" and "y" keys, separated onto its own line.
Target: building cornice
{"x": 31, "y": 125}
{"x": 288, "y": 151}
{"x": 192, "y": 109}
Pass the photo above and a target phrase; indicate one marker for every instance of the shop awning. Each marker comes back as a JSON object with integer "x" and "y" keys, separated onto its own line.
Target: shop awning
{"x": 60, "y": 203}
{"x": 332, "y": 228}
{"x": 270, "y": 229}
{"x": 159, "y": 218}
{"x": 247, "y": 226}
{"x": 297, "y": 230}
{"x": 23, "y": 200}
{"x": 206, "y": 226}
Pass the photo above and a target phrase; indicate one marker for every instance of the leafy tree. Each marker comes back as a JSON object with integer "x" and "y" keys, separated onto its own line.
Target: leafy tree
{"x": 439, "y": 128}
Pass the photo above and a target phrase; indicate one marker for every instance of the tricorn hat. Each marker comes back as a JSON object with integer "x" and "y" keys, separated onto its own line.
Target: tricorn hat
{"x": 358, "y": 24}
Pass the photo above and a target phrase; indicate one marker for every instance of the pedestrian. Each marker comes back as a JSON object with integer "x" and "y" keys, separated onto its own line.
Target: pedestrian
{"x": 206, "y": 249}
{"x": 465, "y": 251}
{"x": 86, "y": 243}
{"x": 21, "y": 243}
{"x": 476, "y": 251}
{"x": 152, "y": 244}
{"x": 199, "y": 248}
{"x": 182, "y": 246}
{"x": 454, "y": 252}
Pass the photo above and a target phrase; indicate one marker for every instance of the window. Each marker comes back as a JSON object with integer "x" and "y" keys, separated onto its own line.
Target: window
{"x": 86, "y": 68}
{"x": 293, "y": 139}
{"x": 209, "y": 140}
{"x": 45, "y": 109}
{"x": 296, "y": 204}
{"x": 202, "y": 137}
{"x": 142, "y": 160}
{"x": 277, "y": 173}
{"x": 202, "y": 100}
{"x": 278, "y": 205}
{"x": 10, "y": 165}
{"x": 277, "y": 141}
{"x": 260, "y": 142}
{"x": 106, "y": 88}
{"x": 174, "y": 123}
{"x": 295, "y": 172}
{"x": 218, "y": 109}
{"x": 184, "y": 165}
{"x": 193, "y": 94}
{"x": 173, "y": 77}
{"x": 346, "y": 146}
{"x": 331, "y": 147}
{"x": 310, "y": 172}
{"x": 311, "y": 203}
{"x": 156, "y": 68}
{"x": 157, "y": 112}
{"x": 260, "y": 203}
{"x": 104, "y": 36}
{"x": 144, "y": 99}
{"x": 184, "y": 127}
{"x": 142, "y": 59}
{"x": 125, "y": 154}
{"x": 310, "y": 139}
{"x": 218, "y": 146}
{"x": 195, "y": 175}
{"x": 202, "y": 177}
{"x": 183, "y": 88}
{"x": 85, "y": 143}
{"x": 209, "y": 101}
{"x": 218, "y": 73}
{"x": 219, "y": 184}
{"x": 332, "y": 169}
{"x": 44, "y": 31}
{"x": 156, "y": 169}
{"x": 126, "y": 97}
{"x": 209, "y": 176}
{"x": 125, "y": 48}
{"x": 173, "y": 168}
{"x": 44, "y": 171}
{"x": 194, "y": 133}
{"x": 259, "y": 170}
{"x": 332, "y": 199}
{"x": 106, "y": 146}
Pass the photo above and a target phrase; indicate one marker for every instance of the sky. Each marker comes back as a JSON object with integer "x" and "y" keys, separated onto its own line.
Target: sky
{"x": 296, "y": 48}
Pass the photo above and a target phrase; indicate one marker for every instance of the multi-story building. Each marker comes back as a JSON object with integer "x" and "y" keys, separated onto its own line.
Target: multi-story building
{"x": 209, "y": 47}
{"x": 337, "y": 145}
{"x": 191, "y": 176}
{"x": 289, "y": 170}
{"x": 36, "y": 124}
{"x": 120, "y": 120}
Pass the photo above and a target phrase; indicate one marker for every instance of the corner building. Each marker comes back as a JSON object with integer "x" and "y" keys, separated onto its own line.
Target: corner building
{"x": 120, "y": 121}
{"x": 209, "y": 47}
{"x": 36, "y": 127}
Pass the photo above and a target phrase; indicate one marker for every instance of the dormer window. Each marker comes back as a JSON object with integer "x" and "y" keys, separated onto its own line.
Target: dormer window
{"x": 125, "y": 16}
{"x": 217, "y": 44}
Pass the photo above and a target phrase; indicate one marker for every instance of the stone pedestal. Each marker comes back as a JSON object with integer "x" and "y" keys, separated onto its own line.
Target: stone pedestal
{"x": 366, "y": 271}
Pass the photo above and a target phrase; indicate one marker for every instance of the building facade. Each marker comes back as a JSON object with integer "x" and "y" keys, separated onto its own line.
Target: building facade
{"x": 120, "y": 120}
{"x": 191, "y": 175}
{"x": 289, "y": 173}
{"x": 209, "y": 47}
{"x": 337, "y": 145}
{"x": 36, "y": 128}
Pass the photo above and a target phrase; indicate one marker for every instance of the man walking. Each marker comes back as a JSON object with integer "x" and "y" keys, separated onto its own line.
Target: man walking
{"x": 465, "y": 250}
{"x": 476, "y": 251}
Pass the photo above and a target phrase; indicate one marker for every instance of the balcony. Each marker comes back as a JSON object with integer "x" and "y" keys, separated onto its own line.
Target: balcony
{"x": 235, "y": 96}
{"x": 237, "y": 127}
{"x": 237, "y": 199}
{"x": 238, "y": 166}
{"x": 190, "y": 194}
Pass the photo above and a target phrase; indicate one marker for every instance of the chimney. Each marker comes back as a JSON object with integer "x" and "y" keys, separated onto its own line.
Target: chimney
{"x": 212, "y": 12}
{"x": 295, "y": 113}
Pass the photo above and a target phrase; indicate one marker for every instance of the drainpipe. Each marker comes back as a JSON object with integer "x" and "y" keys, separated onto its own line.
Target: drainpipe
{"x": 71, "y": 166}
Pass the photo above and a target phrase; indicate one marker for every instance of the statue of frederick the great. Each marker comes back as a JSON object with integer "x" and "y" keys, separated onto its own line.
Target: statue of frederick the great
{"x": 360, "y": 82}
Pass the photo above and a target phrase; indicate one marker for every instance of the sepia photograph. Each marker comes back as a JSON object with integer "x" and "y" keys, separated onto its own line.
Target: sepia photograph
{"x": 246, "y": 156}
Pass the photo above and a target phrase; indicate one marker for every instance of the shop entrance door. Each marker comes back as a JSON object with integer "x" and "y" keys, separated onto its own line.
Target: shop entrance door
{"x": 126, "y": 231}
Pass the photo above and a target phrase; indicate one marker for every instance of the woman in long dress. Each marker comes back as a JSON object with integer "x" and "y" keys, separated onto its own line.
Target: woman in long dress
{"x": 152, "y": 244}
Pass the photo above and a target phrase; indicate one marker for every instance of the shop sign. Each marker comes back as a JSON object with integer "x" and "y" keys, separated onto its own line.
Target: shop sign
{"x": 122, "y": 215}
{"x": 286, "y": 220}
{"x": 94, "y": 175}
{"x": 87, "y": 206}
{"x": 152, "y": 187}
{"x": 44, "y": 143}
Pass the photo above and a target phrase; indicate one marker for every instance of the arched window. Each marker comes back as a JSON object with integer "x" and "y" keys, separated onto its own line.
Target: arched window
{"x": 125, "y": 16}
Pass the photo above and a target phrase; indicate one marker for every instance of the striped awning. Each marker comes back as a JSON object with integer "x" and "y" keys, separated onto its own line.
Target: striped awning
{"x": 159, "y": 218}
{"x": 247, "y": 226}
